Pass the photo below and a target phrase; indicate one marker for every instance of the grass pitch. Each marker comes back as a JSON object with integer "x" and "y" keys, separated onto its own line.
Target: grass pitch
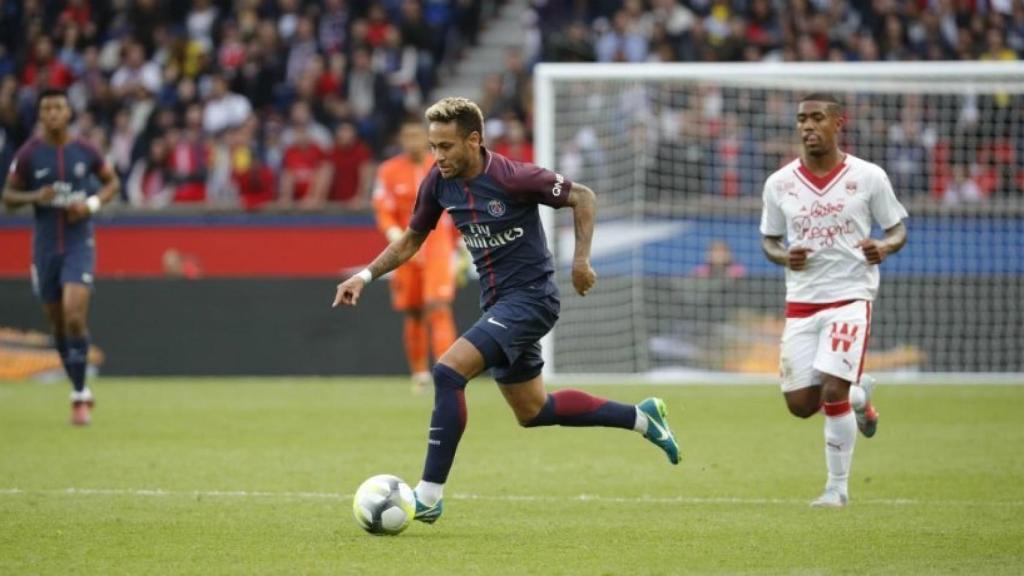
{"x": 253, "y": 477}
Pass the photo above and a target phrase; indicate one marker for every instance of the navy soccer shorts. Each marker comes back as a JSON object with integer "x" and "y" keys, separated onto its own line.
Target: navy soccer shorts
{"x": 515, "y": 325}
{"x": 52, "y": 270}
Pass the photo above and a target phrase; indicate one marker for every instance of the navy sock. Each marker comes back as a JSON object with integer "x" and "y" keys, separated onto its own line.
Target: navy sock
{"x": 446, "y": 423}
{"x": 76, "y": 360}
{"x": 576, "y": 408}
{"x": 61, "y": 343}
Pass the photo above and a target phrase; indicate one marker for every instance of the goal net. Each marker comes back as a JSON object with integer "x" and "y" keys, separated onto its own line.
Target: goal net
{"x": 678, "y": 154}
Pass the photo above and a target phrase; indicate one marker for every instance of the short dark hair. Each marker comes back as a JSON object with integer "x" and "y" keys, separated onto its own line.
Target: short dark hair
{"x": 50, "y": 93}
{"x": 835, "y": 107}
{"x": 463, "y": 111}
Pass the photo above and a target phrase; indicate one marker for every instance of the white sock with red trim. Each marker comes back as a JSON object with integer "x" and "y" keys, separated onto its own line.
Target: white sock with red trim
{"x": 857, "y": 397}
{"x": 840, "y": 437}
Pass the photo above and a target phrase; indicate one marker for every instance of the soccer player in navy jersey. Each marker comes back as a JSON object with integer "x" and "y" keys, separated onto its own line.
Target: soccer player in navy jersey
{"x": 66, "y": 181}
{"x": 493, "y": 202}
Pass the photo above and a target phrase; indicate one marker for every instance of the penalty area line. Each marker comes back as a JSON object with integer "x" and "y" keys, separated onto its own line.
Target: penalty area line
{"x": 669, "y": 500}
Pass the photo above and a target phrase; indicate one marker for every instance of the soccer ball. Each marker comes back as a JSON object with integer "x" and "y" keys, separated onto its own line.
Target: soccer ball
{"x": 384, "y": 504}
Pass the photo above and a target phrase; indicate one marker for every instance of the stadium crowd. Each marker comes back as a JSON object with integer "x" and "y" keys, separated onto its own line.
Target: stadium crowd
{"x": 725, "y": 141}
{"x": 230, "y": 102}
{"x": 289, "y": 103}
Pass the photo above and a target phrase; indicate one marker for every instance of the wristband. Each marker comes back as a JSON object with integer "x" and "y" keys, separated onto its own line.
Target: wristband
{"x": 94, "y": 204}
{"x": 366, "y": 275}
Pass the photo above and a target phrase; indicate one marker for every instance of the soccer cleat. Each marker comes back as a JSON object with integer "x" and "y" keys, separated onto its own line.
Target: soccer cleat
{"x": 428, "y": 514}
{"x": 867, "y": 416}
{"x": 658, "y": 431}
{"x": 81, "y": 412}
{"x": 830, "y": 499}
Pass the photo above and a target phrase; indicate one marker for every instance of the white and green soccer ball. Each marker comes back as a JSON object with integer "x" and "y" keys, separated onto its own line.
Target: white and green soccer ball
{"x": 384, "y": 504}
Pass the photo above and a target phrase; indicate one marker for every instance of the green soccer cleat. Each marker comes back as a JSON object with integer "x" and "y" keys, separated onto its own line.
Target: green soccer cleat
{"x": 658, "y": 431}
{"x": 428, "y": 514}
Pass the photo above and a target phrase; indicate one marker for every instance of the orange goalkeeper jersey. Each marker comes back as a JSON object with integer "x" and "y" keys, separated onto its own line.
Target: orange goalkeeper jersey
{"x": 394, "y": 197}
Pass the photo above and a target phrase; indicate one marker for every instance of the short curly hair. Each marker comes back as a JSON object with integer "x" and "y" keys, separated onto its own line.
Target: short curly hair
{"x": 464, "y": 112}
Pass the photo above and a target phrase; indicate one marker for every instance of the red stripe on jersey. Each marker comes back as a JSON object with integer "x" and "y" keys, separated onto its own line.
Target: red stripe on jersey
{"x": 487, "y": 252}
{"x": 60, "y": 214}
{"x": 818, "y": 185}
{"x": 805, "y": 309}
{"x": 864, "y": 350}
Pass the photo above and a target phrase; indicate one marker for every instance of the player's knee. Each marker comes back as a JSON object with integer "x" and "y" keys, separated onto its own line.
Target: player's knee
{"x": 802, "y": 409}
{"x": 835, "y": 390}
{"x": 74, "y": 325}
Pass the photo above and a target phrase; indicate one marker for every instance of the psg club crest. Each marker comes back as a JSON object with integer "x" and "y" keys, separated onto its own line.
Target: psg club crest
{"x": 851, "y": 188}
{"x": 496, "y": 208}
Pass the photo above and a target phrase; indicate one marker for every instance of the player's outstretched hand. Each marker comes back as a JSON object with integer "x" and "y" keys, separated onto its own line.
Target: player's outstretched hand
{"x": 874, "y": 251}
{"x": 77, "y": 211}
{"x": 798, "y": 257}
{"x": 583, "y": 276}
{"x": 349, "y": 291}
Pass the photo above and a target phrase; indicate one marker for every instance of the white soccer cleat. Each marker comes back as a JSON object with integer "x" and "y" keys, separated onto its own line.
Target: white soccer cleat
{"x": 830, "y": 499}
{"x": 867, "y": 416}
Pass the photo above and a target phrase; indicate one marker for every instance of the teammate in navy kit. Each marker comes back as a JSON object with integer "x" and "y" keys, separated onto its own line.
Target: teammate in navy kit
{"x": 66, "y": 181}
{"x": 493, "y": 202}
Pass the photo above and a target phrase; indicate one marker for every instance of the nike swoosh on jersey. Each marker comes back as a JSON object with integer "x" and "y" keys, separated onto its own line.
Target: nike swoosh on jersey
{"x": 496, "y": 323}
{"x": 42, "y": 172}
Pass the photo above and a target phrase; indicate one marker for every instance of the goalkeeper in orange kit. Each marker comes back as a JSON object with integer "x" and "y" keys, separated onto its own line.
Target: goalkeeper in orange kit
{"x": 424, "y": 287}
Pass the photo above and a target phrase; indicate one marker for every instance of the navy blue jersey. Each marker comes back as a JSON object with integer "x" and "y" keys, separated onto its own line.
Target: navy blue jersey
{"x": 72, "y": 170}
{"x": 496, "y": 212}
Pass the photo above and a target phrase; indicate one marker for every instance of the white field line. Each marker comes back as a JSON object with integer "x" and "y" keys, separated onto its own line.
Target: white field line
{"x": 679, "y": 500}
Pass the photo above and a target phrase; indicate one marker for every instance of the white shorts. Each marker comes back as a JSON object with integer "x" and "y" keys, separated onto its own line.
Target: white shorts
{"x": 831, "y": 341}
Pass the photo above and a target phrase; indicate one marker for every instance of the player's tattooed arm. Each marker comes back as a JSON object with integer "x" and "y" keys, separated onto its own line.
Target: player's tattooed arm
{"x": 396, "y": 254}
{"x": 794, "y": 258}
{"x": 875, "y": 251}
{"x": 583, "y": 202}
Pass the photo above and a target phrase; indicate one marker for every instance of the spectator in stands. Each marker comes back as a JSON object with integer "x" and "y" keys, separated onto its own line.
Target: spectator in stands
{"x": 305, "y": 169}
{"x": 252, "y": 178}
{"x": 332, "y": 32}
{"x": 513, "y": 144}
{"x": 189, "y": 158}
{"x": 719, "y": 263}
{"x": 621, "y": 42}
{"x": 572, "y": 46}
{"x": 962, "y": 189}
{"x": 224, "y": 109}
{"x": 136, "y": 75}
{"x": 365, "y": 88}
{"x": 352, "y": 168}
{"x": 43, "y": 69}
{"x": 149, "y": 183}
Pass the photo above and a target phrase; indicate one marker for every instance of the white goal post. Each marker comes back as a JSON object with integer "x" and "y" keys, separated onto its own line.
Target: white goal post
{"x": 678, "y": 154}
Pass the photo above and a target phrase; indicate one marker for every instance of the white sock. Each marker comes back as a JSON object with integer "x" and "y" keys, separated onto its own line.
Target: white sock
{"x": 640, "y": 425}
{"x": 840, "y": 437}
{"x": 84, "y": 396}
{"x": 429, "y": 492}
{"x": 857, "y": 397}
